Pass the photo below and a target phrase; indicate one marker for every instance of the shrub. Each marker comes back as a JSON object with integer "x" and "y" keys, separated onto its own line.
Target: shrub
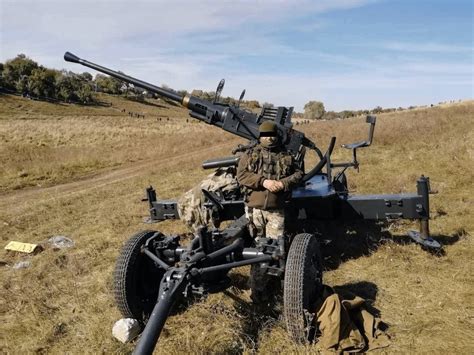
{"x": 314, "y": 110}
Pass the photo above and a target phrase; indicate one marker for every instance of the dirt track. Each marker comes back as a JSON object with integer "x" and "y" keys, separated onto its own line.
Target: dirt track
{"x": 17, "y": 201}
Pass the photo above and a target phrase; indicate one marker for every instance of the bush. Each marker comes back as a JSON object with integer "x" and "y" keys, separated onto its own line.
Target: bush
{"x": 252, "y": 104}
{"x": 330, "y": 115}
{"x": 42, "y": 83}
{"x": 314, "y": 110}
{"x": 108, "y": 84}
{"x": 16, "y": 72}
{"x": 85, "y": 94}
{"x": 378, "y": 109}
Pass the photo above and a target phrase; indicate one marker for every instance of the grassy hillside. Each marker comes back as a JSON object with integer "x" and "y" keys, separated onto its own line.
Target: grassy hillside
{"x": 45, "y": 143}
{"x": 63, "y": 303}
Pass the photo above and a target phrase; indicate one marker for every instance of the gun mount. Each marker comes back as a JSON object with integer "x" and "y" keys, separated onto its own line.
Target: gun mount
{"x": 154, "y": 271}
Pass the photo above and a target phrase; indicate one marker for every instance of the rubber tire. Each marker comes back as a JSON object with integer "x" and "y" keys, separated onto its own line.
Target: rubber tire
{"x": 302, "y": 285}
{"x": 136, "y": 279}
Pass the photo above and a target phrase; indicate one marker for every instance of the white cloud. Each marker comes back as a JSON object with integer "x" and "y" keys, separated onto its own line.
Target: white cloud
{"x": 102, "y": 21}
{"x": 426, "y": 47}
{"x": 119, "y": 28}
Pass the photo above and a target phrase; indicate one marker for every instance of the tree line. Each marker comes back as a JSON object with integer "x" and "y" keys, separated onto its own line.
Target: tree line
{"x": 314, "y": 110}
{"x": 25, "y": 76}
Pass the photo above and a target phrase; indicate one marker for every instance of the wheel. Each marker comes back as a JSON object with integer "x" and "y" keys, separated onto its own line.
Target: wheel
{"x": 136, "y": 279}
{"x": 302, "y": 285}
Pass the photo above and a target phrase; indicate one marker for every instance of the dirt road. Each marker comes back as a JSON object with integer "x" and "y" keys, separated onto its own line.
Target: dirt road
{"x": 16, "y": 201}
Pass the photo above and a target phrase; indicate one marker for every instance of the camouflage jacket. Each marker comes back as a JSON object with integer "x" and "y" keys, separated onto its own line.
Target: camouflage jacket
{"x": 258, "y": 164}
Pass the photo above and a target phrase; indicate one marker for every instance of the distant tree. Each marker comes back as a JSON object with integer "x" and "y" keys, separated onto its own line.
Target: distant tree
{"x": 361, "y": 112}
{"x": 330, "y": 115}
{"x": 378, "y": 109}
{"x": 67, "y": 85}
{"x": 197, "y": 93}
{"x": 1, "y": 76}
{"x": 85, "y": 93}
{"x": 22, "y": 85}
{"x": 209, "y": 95}
{"x": 268, "y": 104}
{"x": 108, "y": 84}
{"x": 16, "y": 71}
{"x": 227, "y": 100}
{"x": 252, "y": 104}
{"x": 42, "y": 82}
{"x": 314, "y": 110}
{"x": 86, "y": 77}
{"x": 346, "y": 114}
{"x": 64, "y": 89}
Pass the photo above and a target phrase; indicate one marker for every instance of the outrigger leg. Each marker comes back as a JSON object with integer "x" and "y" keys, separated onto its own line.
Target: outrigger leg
{"x": 423, "y": 236}
{"x": 172, "y": 283}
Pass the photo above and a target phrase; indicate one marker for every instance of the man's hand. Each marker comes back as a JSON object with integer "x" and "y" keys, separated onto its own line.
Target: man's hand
{"x": 273, "y": 185}
{"x": 280, "y": 185}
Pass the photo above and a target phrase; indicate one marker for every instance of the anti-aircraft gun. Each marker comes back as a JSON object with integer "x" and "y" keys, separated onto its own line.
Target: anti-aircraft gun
{"x": 155, "y": 271}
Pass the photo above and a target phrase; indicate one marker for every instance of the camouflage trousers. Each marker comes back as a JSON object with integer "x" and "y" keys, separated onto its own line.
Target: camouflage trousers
{"x": 265, "y": 224}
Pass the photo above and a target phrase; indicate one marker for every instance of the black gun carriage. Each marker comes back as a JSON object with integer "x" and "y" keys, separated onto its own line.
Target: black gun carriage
{"x": 154, "y": 271}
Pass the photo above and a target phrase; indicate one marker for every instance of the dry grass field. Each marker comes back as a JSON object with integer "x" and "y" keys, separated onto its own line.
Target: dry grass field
{"x": 81, "y": 172}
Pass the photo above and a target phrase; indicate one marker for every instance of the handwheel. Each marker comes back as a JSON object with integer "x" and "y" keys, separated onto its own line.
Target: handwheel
{"x": 302, "y": 285}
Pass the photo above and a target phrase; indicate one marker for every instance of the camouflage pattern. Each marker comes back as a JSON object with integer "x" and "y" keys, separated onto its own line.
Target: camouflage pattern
{"x": 258, "y": 164}
{"x": 191, "y": 205}
{"x": 265, "y": 224}
{"x": 272, "y": 165}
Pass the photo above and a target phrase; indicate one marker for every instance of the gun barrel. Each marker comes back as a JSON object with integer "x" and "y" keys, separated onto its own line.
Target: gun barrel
{"x": 69, "y": 57}
{"x": 229, "y": 118}
{"x": 220, "y": 162}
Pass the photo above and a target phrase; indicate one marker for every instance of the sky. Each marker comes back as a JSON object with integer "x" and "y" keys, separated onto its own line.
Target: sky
{"x": 349, "y": 54}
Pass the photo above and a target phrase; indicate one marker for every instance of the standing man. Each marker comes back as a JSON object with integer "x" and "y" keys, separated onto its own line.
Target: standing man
{"x": 268, "y": 173}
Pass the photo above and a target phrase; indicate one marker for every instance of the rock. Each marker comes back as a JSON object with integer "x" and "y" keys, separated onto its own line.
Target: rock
{"x": 61, "y": 242}
{"x": 126, "y": 329}
{"x": 22, "y": 264}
